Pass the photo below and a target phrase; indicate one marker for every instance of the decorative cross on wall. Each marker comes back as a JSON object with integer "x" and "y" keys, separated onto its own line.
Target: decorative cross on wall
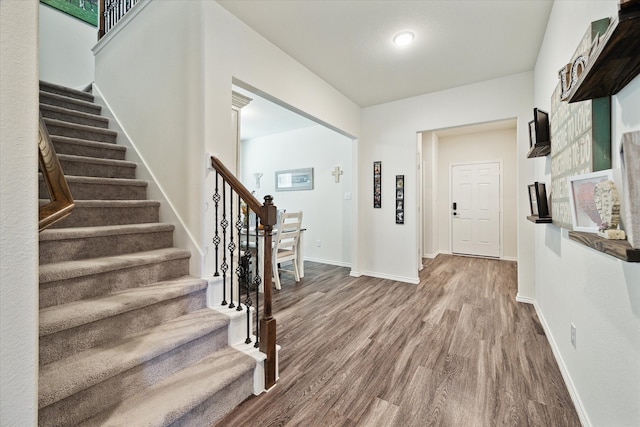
{"x": 337, "y": 172}
{"x": 257, "y": 175}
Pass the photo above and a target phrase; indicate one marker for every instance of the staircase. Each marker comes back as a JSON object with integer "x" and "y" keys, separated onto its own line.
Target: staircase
{"x": 126, "y": 338}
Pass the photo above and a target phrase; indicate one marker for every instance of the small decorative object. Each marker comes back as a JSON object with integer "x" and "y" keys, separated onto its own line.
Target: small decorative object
{"x": 584, "y": 212}
{"x": 377, "y": 184}
{"x": 336, "y": 173}
{"x": 399, "y": 199}
{"x": 630, "y": 161}
{"x": 607, "y": 202}
{"x": 257, "y": 176}
{"x": 294, "y": 179}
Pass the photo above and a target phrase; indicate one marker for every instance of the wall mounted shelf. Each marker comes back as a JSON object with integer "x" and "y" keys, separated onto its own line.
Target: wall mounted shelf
{"x": 620, "y": 249}
{"x": 615, "y": 62}
{"x": 539, "y": 150}
{"x": 538, "y": 220}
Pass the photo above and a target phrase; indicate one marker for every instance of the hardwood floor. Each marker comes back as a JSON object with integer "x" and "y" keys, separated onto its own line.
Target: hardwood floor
{"x": 455, "y": 350}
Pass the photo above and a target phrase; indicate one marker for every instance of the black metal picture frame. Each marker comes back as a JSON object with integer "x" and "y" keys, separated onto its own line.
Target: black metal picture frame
{"x": 538, "y": 200}
{"x": 541, "y": 194}
{"x": 400, "y": 201}
{"x": 377, "y": 185}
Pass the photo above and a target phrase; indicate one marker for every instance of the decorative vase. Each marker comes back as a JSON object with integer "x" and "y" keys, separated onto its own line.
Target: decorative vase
{"x": 630, "y": 162}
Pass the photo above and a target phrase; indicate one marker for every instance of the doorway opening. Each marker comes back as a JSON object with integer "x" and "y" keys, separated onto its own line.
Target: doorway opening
{"x": 275, "y": 138}
{"x": 442, "y": 149}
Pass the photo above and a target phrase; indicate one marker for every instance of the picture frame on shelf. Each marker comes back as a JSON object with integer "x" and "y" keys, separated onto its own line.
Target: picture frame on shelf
{"x": 533, "y": 199}
{"x": 584, "y": 213}
{"x": 541, "y": 197}
{"x": 532, "y": 133}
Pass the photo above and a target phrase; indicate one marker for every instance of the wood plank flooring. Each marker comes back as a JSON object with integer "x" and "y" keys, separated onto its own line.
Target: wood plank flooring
{"x": 455, "y": 350}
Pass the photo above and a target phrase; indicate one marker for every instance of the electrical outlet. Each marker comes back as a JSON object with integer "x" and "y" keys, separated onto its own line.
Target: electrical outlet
{"x": 573, "y": 335}
{"x": 318, "y": 243}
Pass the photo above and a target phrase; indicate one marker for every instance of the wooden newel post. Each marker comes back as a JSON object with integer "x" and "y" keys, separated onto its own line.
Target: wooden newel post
{"x": 101, "y": 25}
{"x": 268, "y": 323}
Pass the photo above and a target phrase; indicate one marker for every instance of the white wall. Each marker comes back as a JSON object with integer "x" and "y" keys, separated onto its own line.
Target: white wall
{"x": 326, "y": 214}
{"x": 179, "y": 59}
{"x": 389, "y": 134}
{"x": 18, "y": 213}
{"x": 599, "y": 294}
{"x": 499, "y": 145}
{"x": 65, "y": 48}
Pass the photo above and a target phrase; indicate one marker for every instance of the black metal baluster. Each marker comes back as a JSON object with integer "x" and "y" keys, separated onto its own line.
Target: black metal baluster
{"x": 248, "y": 273}
{"x": 224, "y": 224}
{"x": 240, "y": 270}
{"x": 231, "y": 248}
{"x": 257, "y": 282}
{"x": 216, "y": 237}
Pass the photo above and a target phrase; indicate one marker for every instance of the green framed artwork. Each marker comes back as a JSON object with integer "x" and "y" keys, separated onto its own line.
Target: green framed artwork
{"x": 580, "y": 131}
{"x": 85, "y": 10}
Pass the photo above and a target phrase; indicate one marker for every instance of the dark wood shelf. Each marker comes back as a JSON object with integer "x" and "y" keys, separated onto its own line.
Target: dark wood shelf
{"x": 620, "y": 249}
{"x": 538, "y": 220}
{"x": 539, "y": 150}
{"x": 615, "y": 62}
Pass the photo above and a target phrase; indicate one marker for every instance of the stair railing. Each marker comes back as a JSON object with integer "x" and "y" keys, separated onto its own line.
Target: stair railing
{"x": 61, "y": 202}
{"x": 233, "y": 206}
{"x": 110, "y": 12}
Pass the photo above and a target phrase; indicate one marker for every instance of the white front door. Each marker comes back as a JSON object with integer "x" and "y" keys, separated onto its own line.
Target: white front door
{"x": 475, "y": 209}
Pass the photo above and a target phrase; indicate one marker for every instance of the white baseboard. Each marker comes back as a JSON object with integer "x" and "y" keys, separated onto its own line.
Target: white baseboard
{"x": 526, "y": 300}
{"x": 413, "y": 281}
{"x": 575, "y": 398}
{"x": 328, "y": 261}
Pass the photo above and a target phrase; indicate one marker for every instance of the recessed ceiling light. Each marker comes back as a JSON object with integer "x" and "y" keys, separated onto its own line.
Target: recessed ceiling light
{"x": 403, "y": 38}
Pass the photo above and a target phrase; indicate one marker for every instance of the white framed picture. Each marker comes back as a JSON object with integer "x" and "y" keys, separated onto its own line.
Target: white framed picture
{"x": 584, "y": 213}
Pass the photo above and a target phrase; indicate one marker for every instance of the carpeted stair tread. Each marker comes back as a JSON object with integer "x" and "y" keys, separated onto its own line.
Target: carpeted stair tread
{"x": 72, "y": 269}
{"x": 101, "y": 231}
{"x": 88, "y": 148}
{"x": 74, "y": 130}
{"x": 50, "y": 98}
{"x": 66, "y": 91}
{"x": 66, "y": 316}
{"x": 73, "y": 116}
{"x": 65, "y": 377}
{"x": 92, "y": 166}
{"x": 87, "y": 213}
{"x": 178, "y": 394}
{"x": 92, "y": 188}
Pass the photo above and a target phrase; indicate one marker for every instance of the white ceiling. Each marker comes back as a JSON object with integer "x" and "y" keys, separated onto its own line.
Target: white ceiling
{"x": 348, "y": 42}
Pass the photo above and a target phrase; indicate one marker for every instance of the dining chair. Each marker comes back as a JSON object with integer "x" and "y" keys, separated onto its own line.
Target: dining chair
{"x": 286, "y": 244}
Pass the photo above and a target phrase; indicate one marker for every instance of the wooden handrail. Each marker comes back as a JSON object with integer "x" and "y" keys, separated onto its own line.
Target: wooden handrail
{"x": 238, "y": 187}
{"x": 61, "y": 203}
{"x": 267, "y": 214}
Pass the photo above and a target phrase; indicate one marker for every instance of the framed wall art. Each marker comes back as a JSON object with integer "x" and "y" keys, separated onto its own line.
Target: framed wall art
{"x": 294, "y": 179}
{"x": 85, "y": 10}
{"x": 377, "y": 185}
{"x": 400, "y": 199}
{"x": 584, "y": 212}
